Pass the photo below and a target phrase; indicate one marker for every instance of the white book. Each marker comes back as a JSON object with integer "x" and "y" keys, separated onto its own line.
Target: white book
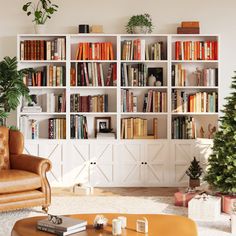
{"x": 125, "y": 74}
{"x": 63, "y": 49}
{"x": 90, "y": 75}
{"x": 142, "y": 41}
{"x": 96, "y": 74}
{"x": 101, "y": 74}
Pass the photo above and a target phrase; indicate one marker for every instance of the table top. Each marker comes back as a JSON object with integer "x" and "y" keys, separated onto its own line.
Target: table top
{"x": 158, "y": 225}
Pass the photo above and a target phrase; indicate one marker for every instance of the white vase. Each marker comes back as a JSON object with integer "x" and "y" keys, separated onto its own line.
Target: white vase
{"x": 40, "y": 28}
{"x": 140, "y": 29}
{"x": 233, "y": 224}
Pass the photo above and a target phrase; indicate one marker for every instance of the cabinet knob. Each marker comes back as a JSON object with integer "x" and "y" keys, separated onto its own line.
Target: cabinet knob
{"x": 142, "y": 163}
{"x": 91, "y": 163}
{"x": 145, "y": 163}
{"x": 94, "y": 163}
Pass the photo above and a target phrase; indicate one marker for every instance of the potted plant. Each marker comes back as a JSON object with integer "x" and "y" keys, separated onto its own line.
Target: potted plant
{"x": 41, "y": 11}
{"x": 194, "y": 172}
{"x": 12, "y": 87}
{"x": 139, "y": 24}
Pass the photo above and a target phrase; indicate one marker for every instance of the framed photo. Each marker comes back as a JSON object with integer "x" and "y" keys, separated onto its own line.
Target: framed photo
{"x": 102, "y": 125}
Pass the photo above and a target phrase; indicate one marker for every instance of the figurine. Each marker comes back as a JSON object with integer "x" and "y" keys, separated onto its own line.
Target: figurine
{"x": 201, "y": 132}
{"x": 211, "y": 131}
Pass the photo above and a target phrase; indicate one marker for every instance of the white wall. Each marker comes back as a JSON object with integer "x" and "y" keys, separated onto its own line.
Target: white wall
{"x": 216, "y": 16}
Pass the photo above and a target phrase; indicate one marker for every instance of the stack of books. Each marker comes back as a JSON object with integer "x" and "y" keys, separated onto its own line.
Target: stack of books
{"x": 92, "y": 74}
{"x": 31, "y": 109}
{"x": 67, "y": 227}
{"x": 189, "y": 27}
{"x": 43, "y": 49}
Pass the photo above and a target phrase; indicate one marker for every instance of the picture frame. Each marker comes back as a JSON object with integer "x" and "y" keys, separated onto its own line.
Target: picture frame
{"x": 101, "y": 124}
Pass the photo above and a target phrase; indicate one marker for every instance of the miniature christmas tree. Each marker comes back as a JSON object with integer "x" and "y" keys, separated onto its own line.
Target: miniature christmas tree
{"x": 195, "y": 170}
{"x": 221, "y": 171}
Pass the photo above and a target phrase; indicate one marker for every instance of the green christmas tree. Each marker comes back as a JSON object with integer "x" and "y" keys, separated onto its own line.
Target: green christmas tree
{"x": 195, "y": 170}
{"x": 221, "y": 171}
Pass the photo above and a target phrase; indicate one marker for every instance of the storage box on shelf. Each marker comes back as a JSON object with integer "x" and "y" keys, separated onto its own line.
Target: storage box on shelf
{"x": 128, "y": 79}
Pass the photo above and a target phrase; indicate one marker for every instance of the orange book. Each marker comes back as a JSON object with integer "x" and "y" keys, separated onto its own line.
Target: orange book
{"x": 138, "y": 49}
{"x": 80, "y": 51}
{"x": 72, "y": 77}
{"x": 77, "y": 52}
{"x": 111, "y": 51}
{"x": 190, "y": 24}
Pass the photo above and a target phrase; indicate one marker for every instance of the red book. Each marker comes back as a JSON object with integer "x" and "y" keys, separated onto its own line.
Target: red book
{"x": 82, "y": 74}
{"x": 216, "y": 50}
{"x": 177, "y": 50}
{"x": 114, "y": 75}
{"x": 99, "y": 75}
{"x": 139, "y": 49}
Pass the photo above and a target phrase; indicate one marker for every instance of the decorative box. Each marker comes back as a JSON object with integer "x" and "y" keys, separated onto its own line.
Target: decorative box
{"x": 227, "y": 201}
{"x": 204, "y": 208}
{"x": 182, "y": 198}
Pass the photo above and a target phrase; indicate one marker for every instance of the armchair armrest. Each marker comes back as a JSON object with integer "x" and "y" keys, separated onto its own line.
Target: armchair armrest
{"x": 30, "y": 163}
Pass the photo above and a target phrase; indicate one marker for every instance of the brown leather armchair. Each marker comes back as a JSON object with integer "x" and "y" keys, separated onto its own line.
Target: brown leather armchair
{"x": 23, "y": 181}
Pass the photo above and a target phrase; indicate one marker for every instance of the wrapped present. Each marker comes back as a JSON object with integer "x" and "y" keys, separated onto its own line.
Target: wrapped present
{"x": 227, "y": 201}
{"x": 182, "y": 198}
{"x": 204, "y": 208}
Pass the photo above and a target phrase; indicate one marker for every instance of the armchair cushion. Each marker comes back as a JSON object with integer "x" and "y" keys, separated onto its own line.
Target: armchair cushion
{"x": 4, "y": 148}
{"x": 18, "y": 181}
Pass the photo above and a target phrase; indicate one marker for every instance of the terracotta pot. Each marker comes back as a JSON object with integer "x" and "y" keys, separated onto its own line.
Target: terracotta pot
{"x": 193, "y": 183}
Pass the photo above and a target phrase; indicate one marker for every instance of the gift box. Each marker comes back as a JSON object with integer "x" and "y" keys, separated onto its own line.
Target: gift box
{"x": 182, "y": 198}
{"x": 227, "y": 202}
{"x": 204, "y": 208}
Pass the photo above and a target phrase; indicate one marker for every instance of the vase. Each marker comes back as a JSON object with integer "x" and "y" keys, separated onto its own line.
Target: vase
{"x": 140, "y": 29}
{"x": 193, "y": 183}
{"x": 39, "y": 28}
{"x": 151, "y": 80}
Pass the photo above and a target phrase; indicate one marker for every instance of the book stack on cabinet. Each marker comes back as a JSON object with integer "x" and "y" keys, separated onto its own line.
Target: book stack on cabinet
{"x": 158, "y": 89}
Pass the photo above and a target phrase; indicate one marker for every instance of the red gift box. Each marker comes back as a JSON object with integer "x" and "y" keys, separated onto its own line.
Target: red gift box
{"x": 182, "y": 198}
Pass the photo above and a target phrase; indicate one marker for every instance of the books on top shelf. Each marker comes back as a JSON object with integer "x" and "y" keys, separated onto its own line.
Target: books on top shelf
{"x": 47, "y": 76}
{"x": 95, "y": 103}
{"x": 29, "y": 127}
{"x": 43, "y": 49}
{"x": 95, "y": 51}
{"x": 137, "y": 128}
{"x": 92, "y": 74}
{"x": 183, "y": 128}
{"x": 78, "y": 127}
{"x": 200, "y": 77}
{"x": 57, "y": 128}
{"x": 68, "y": 226}
{"x": 196, "y": 50}
{"x": 137, "y": 49}
{"x": 194, "y": 102}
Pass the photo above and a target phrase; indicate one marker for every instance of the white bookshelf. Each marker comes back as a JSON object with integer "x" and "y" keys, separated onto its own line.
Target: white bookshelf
{"x": 166, "y": 152}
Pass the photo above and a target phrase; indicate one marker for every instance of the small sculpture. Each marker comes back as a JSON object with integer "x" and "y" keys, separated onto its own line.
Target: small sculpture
{"x": 211, "y": 131}
{"x": 201, "y": 132}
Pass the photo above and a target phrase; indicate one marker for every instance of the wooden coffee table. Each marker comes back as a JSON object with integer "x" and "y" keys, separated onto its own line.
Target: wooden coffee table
{"x": 159, "y": 225}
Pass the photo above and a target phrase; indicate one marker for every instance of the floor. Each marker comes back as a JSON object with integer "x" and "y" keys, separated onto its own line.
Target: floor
{"x": 137, "y": 191}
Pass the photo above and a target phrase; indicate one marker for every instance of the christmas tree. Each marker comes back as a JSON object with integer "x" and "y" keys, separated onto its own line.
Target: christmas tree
{"x": 195, "y": 170}
{"x": 221, "y": 171}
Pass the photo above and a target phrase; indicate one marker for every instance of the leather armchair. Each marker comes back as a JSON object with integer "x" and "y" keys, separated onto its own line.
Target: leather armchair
{"x": 23, "y": 180}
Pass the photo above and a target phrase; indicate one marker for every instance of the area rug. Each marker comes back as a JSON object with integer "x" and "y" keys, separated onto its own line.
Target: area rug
{"x": 98, "y": 204}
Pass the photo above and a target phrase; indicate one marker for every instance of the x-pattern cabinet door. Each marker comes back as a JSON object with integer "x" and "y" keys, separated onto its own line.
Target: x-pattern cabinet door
{"x": 76, "y": 163}
{"x": 53, "y": 152}
{"x": 156, "y": 164}
{"x": 129, "y": 170}
{"x": 101, "y": 164}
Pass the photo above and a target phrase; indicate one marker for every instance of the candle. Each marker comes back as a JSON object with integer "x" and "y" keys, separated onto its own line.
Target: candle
{"x": 116, "y": 227}
{"x": 123, "y": 220}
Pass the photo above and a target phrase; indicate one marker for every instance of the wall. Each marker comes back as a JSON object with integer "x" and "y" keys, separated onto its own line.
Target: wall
{"x": 216, "y": 16}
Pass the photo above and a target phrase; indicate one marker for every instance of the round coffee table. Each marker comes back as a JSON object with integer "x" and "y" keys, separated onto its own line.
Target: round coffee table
{"x": 159, "y": 225}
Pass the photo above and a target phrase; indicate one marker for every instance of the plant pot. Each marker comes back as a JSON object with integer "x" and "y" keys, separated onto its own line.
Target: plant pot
{"x": 39, "y": 28}
{"x": 140, "y": 29}
{"x": 193, "y": 183}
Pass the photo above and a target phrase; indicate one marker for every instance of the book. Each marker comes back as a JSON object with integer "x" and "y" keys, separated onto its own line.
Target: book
{"x": 190, "y": 24}
{"x": 59, "y": 232}
{"x": 188, "y": 30}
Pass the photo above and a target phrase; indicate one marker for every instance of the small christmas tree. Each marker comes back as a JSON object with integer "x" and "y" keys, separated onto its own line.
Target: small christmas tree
{"x": 195, "y": 170}
{"x": 221, "y": 171}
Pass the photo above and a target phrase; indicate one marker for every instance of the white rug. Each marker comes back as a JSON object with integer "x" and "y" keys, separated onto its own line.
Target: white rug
{"x": 92, "y": 204}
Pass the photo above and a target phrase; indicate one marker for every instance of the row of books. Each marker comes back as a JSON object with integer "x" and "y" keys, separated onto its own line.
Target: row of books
{"x": 95, "y": 51}
{"x": 57, "y": 128}
{"x": 92, "y": 74}
{"x": 47, "y": 76}
{"x": 196, "y": 50}
{"x": 129, "y": 102}
{"x": 183, "y": 128}
{"x": 43, "y": 49}
{"x": 137, "y": 128}
{"x": 201, "y": 77}
{"x": 155, "y": 101}
{"x": 78, "y": 127}
{"x": 138, "y": 50}
{"x": 197, "y": 102}
{"x": 68, "y": 226}
{"x": 29, "y": 127}
{"x": 95, "y": 103}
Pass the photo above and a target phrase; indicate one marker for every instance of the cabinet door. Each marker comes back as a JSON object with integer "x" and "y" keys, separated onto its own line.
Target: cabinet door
{"x": 53, "y": 151}
{"x": 128, "y": 167}
{"x": 156, "y": 164}
{"x": 182, "y": 152}
{"x": 75, "y": 163}
{"x": 101, "y": 164}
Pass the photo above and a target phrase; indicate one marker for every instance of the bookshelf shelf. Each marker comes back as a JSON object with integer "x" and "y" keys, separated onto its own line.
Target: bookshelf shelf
{"x": 194, "y": 61}
{"x": 99, "y": 61}
{"x": 144, "y": 61}
{"x": 94, "y": 113}
{"x": 143, "y": 113}
{"x": 195, "y": 87}
{"x": 196, "y": 113}
{"x": 42, "y": 61}
{"x": 43, "y": 113}
{"x": 92, "y": 87}
{"x": 144, "y": 87}
{"x": 46, "y": 87}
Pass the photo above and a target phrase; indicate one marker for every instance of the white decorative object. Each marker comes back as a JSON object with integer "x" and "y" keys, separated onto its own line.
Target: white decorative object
{"x": 116, "y": 227}
{"x": 142, "y": 225}
{"x": 204, "y": 208}
{"x": 39, "y": 28}
{"x": 100, "y": 222}
{"x": 151, "y": 80}
{"x": 123, "y": 220}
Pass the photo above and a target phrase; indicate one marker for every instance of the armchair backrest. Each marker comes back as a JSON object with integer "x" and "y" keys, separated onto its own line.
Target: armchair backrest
{"x": 4, "y": 148}
{"x": 16, "y": 142}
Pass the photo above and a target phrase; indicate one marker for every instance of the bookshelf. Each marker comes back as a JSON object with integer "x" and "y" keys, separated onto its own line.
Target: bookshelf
{"x": 166, "y": 150}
